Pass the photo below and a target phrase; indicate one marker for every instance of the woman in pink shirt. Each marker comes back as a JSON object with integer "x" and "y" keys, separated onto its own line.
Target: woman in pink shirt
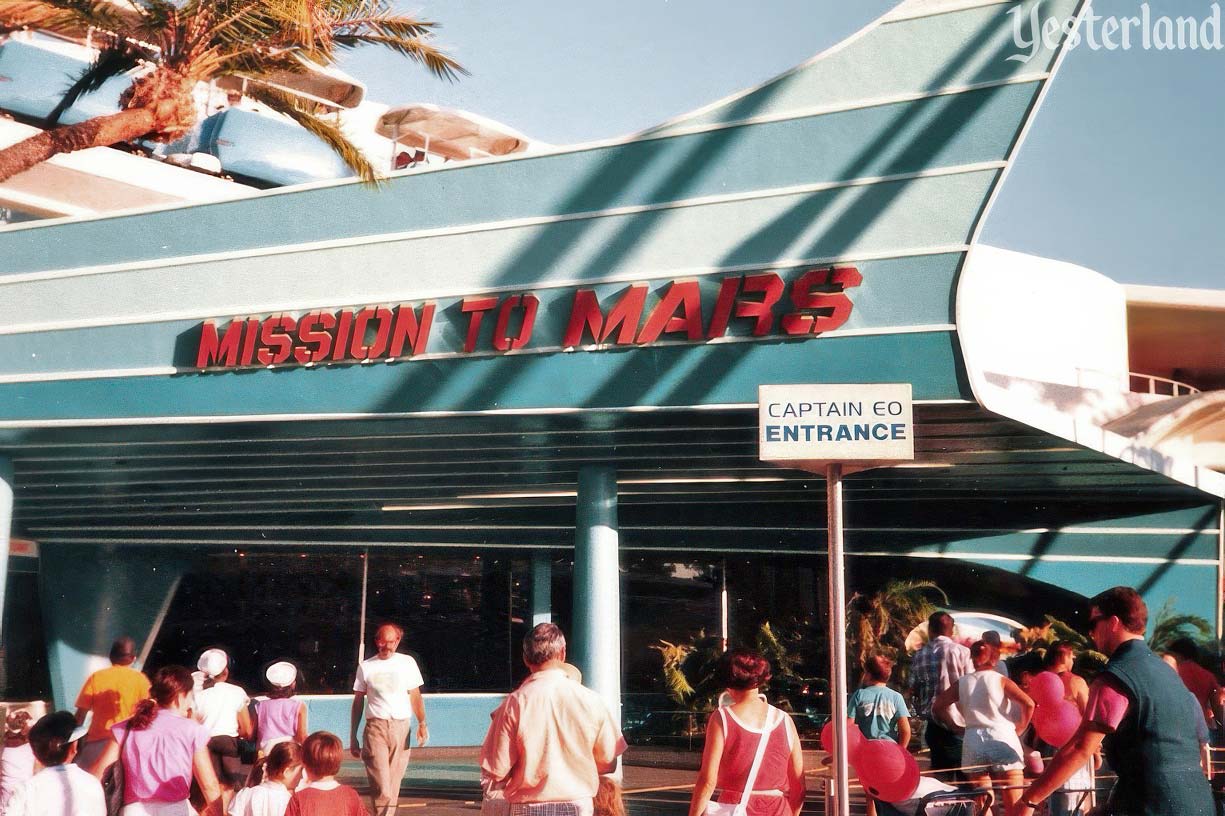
{"x": 162, "y": 748}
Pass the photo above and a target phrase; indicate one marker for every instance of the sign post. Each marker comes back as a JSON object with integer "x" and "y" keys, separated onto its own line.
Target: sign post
{"x": 826, "y": 428}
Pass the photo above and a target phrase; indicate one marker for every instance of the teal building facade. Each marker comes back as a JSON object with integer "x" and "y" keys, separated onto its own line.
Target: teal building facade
{"x": 538, "y": 374}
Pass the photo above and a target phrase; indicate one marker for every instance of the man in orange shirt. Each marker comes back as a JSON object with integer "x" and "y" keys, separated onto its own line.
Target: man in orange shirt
{"x": 111, "y": 694}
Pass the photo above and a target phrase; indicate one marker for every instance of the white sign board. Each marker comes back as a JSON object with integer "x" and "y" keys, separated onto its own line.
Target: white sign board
{"x": 807, "y": 426}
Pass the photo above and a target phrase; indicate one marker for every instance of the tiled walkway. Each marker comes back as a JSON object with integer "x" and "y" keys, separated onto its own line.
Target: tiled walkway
{"x": 444, "y": 783}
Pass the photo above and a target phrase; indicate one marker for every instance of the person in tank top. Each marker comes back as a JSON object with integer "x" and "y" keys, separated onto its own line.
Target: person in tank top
{"x": 281, "y": 717}
{"x": 991, "y": 742}
{"x": 733, "y": 735}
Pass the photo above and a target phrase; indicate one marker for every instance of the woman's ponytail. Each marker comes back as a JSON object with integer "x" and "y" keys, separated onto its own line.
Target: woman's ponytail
{"x": 273, "y": 766}
{"x": 283, "y": 756}
{"x": 257, "y": 772}
{"x": 146, "y": 710}
{"x": 169, "y": 683}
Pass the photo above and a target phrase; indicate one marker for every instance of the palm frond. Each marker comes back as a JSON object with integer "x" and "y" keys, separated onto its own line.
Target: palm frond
{"x": 243, "y": 22}
{"x": 297, "y": 110}
{"x": 433, "y": 59}
{"x": 675, "y": 681}
{"x": 381, "y": 19}
{"x": 1031, "y": 636}
{"x": 1169, "y": 626}
{"x": 63, "y": 15}
{"x": 160, "y": 23}
{"x": 111, "y": 62}
{"x": 1059, "y": 630}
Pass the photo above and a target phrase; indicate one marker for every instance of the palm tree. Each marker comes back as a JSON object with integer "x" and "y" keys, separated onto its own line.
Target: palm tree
{"x": 1038, "y": 639}
{"x": 879, "y": 623}
{"x": 674, "y": 656}
{"x": 181, "y": 43}
{"x": 1169, "y": 626}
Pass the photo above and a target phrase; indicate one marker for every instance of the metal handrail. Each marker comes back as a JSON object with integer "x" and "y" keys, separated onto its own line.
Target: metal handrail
{"x": 1137, "y": 382}
{"x": 1175, "y": 388}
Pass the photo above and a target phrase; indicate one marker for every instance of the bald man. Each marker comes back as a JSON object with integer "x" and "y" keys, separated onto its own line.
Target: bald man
{"x": 111, "y": 694}
{"x": 388, "y": 689}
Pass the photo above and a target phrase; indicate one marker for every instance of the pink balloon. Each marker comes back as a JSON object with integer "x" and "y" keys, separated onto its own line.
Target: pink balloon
{"x": 1056, "y": 724}
{"x": 854, "y": 738}
{"x": 886, "y": 770}
{"x": 1046, "y": 689}
{"x": 906, "y": 784}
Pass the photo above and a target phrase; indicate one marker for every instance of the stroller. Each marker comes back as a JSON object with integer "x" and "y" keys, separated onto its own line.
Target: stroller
{"x": 944, "y": 803}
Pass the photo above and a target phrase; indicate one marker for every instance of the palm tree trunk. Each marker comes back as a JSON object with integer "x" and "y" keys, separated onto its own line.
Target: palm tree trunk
{"x": 101, "y": 131}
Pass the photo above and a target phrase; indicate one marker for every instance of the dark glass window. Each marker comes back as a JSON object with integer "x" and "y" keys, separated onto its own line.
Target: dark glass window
{"x": 462, "y": 613}
{"x": 264, "y": 607}
{"x": 23, "y": 656}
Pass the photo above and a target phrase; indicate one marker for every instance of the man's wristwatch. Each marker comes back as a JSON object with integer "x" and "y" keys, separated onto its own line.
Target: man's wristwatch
{"x": 1029, "y": 804}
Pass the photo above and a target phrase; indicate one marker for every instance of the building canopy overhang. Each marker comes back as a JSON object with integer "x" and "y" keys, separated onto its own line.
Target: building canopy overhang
{"x": 509, "y": 480}
{"x": 303, "y": 360}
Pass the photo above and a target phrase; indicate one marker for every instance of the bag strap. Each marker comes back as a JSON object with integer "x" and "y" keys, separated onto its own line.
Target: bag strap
{"x": 127, "y": 729}
{"x": 766, "y": 730}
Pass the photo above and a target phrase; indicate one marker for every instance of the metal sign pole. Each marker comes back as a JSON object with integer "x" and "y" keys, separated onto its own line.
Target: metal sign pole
{"x": 361, "y": 625}
{"x": 723, "y": 628}
{"x": 837, "y": 644}
{"x": 828, "y": 426}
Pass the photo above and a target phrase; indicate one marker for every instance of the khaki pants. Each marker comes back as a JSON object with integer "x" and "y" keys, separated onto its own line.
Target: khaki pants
{"x": 385, "y": 753}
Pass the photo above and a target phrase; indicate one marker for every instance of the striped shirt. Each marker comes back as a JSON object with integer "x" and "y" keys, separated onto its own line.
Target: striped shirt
{"x": 935, "y": 667}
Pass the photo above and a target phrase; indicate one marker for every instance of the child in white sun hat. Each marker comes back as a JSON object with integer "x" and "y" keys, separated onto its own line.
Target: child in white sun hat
{"x": 221, "y": 707}
{"x": 282, "y": 716}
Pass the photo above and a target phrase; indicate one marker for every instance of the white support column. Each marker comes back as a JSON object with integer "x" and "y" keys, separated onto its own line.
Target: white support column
{"x": 837, "y": 641}
{"x": 6, "y": 527}
{"x": 596, "y": 642}
{"x": 1220, "y": 571}
{"x": 542, "y": 587}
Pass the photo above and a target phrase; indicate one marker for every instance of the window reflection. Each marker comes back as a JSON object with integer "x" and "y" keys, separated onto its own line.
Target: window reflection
{"x": 263, "y": 607}
{"x": 463, "y": 613}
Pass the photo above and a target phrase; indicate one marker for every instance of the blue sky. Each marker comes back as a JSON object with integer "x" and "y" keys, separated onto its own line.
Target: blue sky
{"x": 1121, "y": 172}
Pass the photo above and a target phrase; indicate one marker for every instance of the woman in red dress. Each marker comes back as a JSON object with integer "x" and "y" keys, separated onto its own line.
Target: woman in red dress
{"x": 733, "y": 734}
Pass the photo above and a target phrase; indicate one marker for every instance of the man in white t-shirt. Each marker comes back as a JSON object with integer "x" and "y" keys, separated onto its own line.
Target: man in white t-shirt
{"x": 388, "y": 687}
{"x": 61, "y": 788}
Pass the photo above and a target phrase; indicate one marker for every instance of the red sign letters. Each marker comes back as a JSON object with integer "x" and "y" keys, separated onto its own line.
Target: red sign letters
{"x": 758, "y": 305}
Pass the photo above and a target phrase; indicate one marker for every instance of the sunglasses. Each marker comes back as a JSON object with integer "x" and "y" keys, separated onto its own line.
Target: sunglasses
{"x": 1094, "y": 621}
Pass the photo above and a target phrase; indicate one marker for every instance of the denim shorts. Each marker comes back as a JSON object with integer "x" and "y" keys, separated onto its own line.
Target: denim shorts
{"x": 982, "y": 746}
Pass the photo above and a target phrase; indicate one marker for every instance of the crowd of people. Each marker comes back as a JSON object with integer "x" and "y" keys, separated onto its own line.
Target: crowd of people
{"x": 183, "y": 742}
{"x": 1148, "y": 724}
{"x": 178, "y": 743}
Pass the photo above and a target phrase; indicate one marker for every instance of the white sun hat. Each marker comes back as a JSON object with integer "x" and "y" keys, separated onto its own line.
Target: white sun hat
{"x": 282, "y": 674}
{"x": 213, "y": 662}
